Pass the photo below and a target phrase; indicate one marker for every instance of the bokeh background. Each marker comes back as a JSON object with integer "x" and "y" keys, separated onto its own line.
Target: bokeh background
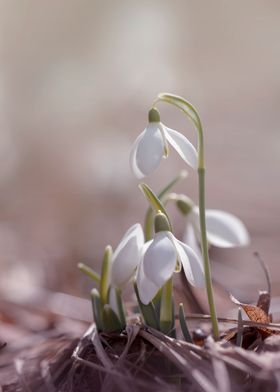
{"x": 76, "y": 81}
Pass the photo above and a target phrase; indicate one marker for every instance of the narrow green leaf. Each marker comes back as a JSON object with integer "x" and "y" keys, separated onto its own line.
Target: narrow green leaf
{"x": 89, "y": 272}
{"x": 111, "y": 322}
{"x": 121, "y": 312}
{"x": 183, "y": 324}
{"x": 116, "y": 303}
{"x": 148, "y": 225}
{"x": 148, "y": 311}
{"x": 104, "y": 282}
{"x": 96, "y": 308}
{"x": 154, "y": 200}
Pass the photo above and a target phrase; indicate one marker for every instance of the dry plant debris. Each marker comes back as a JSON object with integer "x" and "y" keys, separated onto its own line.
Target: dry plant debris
{"x": 145, "y": 359}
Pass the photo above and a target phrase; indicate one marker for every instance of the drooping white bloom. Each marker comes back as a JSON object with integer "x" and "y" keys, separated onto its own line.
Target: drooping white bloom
{"x": 152, "y": 145}
{"x": 127, "y": 255}
{"x": 223, "y": 230}
{"x": 158, "y": 263}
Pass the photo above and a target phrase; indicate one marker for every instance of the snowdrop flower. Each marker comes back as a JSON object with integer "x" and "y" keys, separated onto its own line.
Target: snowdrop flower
{"x": 126, "y": 257}
{"x": 160, "y": 258}
{"x": 152, "y": 145}
{"x": 223, "y": 229}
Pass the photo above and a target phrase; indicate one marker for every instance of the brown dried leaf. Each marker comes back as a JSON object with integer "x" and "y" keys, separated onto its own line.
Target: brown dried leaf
{"x": 259, "y": 312}
{"x": 264, "y": 303}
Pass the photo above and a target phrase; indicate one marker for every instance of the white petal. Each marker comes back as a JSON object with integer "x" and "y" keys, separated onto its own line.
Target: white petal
{"x": 160, "y": 259}
{"x": 127, "y": 256}
{"x": 183, "y": 146}
{"x": 190, "y": 239}
{"x": 132, "y": 158}
{"x": 147, "y": 151}
{"x": 147, "y": 289}
{"x": 113, "y": 300}
{"x": 192, "y": 264}
{"x": 224, "y": 230}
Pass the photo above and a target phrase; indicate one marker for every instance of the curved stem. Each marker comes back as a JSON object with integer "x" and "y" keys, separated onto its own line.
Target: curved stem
{"x": 192, "y": 114}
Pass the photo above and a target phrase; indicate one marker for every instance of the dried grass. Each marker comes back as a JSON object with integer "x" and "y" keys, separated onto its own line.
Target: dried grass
{"x": 142, "y": 359}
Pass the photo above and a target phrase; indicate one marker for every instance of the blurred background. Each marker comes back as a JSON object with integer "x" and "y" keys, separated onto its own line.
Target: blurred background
{"x": 76, "y": 81}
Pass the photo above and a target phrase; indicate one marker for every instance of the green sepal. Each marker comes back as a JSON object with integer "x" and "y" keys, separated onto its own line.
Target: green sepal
{"x": 148, "y": 311}
{"x": 104, "y": 282}
{"x": 89, "y": 272}
{"x": 111, "y": 322}
{"x": 96, "y": 308}
{"x": 183, "y": 324}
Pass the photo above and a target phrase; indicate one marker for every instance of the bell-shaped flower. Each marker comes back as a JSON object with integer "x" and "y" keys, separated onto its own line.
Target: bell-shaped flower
{"x": 152, "y": 145}
{"x": 223, "y": 229}
{"x": 127, "y": 255}
{"x": 160, "y": 258}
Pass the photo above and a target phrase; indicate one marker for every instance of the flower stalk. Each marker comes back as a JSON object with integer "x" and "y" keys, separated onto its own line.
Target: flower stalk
{"x": 166, "y": 308}
{"x": 192, "y": 114}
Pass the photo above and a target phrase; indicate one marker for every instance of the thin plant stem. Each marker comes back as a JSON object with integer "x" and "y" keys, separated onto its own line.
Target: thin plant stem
{"x": 202, "y": 220}
{"x": 204, "y": 247}
{"x": 192, "y": 114}
{"x": 166, "y": 308}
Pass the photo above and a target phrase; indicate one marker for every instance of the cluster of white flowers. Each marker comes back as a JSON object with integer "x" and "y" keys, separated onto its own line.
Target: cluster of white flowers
{"x": 153, "y": 263}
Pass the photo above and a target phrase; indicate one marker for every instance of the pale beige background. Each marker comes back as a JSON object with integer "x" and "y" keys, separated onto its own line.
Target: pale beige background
{"x": 76, "y": 80}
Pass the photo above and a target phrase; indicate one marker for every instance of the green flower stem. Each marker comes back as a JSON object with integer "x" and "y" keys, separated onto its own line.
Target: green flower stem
{"x": 166, "y": 308}
{"x": 204, "y": 247}
{"x": 192, "y": 114}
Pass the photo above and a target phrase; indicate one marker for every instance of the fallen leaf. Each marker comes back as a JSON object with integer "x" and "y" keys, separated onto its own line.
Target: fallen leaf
{"x": 259, "y": 312}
